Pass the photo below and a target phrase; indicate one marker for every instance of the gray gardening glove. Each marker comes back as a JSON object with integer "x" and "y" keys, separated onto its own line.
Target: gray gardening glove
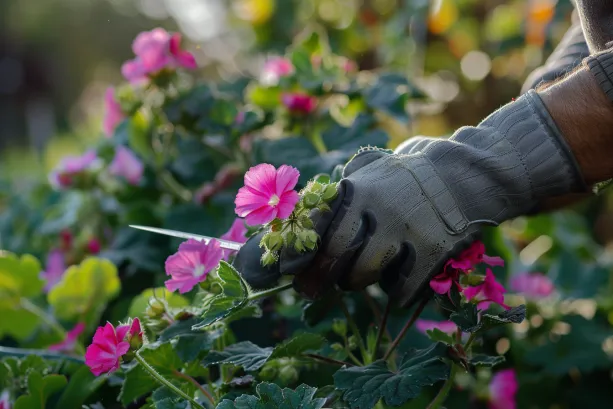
{"x": 400, "y": 217}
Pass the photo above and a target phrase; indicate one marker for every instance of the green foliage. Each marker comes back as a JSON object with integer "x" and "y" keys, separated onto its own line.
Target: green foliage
{"x": 140, "y": 302}
{"x": 364, "y": 386}
{"x": 436, "y": 335}
{"x": 40, "y": 388}
{"x": 271, "y": 396}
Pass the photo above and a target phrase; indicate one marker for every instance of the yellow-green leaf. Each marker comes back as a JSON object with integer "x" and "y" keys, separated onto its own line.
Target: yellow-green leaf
{"x": 19, "y": 277}
{"x": 140, "y": 303}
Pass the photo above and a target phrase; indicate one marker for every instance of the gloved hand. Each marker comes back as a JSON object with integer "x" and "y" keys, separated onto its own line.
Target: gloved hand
{"x": 400, "y": 217}
{"x": 597, "y": 22}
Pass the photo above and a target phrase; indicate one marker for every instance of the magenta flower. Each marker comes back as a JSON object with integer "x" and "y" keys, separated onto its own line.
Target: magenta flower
{"x": 134, "y": 334}
{"x": 68, "y": 344}
{"x": 441, "y": 283}
{"x": 191, "y": 264}
{"x": 237, "y": 233}
{"x": 113, "y": 114}
{"x": 268, "y": 193}
{"x": 54, "y": 270}
{"x": 155, "y": 51}
{"x": 299, "y": 103}
{"x": 532, "y": 285}
{"x": 275, "y": 68}
{"x": 70, "y": 168}
{"x": 423, "y": 326}
{"x": 126, "y": 164}
{"x": 93, "y": 246}
{"x": 487, "y": 292}
{"x": 107, "y": 348}
{"x": 5, "y": 402}
{"x": 503, "y": 388}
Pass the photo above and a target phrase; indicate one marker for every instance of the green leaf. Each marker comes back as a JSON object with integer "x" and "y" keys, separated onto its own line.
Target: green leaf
{"x": 136, "y": 384}
{"x": 389, "y": 96}
{"x": 245, "y": 354}
{"x": 466, "y": 318}
{"x": 233, "y": 297}
{"x": 141, "y": 301}
{"x": 513, "y": 316}
{"x": 85, "y": 288}
{"x": 19, "y": 277}
{"x": 190, "y": 343}
{"x": 450, "y": 302}
{"x": 139, "y": 135}
{"x": 18, "y": 323}
{"x": 271, "y": 396}
{"x": 39, "y": 390}
{"x": 486, "y": 360}
{"x": 364, "y": 386}
{"x": 169, "y": 403}
{"x": 297, "y": 345}
{"x": 436, "y": 335}
{"x": 81, "y": 385}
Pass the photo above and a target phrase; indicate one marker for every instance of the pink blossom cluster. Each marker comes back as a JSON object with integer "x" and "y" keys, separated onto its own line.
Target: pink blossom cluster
{"x": 533, "y": 286}
{"x": 72, "y": 167}
{"x": 275, "y": 69}
{"x": 156, "y": 50}
{"x": 110, "y": 344}
{"x": 113, "y": 114}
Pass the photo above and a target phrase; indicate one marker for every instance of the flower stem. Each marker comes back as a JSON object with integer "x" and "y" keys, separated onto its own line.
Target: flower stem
{"x": 472, "y": 337}
{"x": 174, "y": 187}
{"x": 269, "y": 292}
{"x": 406, "y": 327}
{"x": 318, "y": 142}
{"x": 441, "y": 396}
{"x": 196, "y": 384}
{"x": 328, "y": 360}
{"x": 382, "y": 329}
{"x": 354, "y": 329}
{"x": 158, "y": 377}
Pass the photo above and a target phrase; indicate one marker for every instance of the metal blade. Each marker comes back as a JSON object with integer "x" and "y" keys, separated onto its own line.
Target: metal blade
{"x": 230, "y": 245}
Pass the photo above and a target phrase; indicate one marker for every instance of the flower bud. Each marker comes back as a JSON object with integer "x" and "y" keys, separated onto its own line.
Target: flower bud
{"x": 330, "y": 193}
{"x": 337, "y": 347}
{"x": 155, "y": 308}
{"x": 269, "y": 258}
{"x": 288, "y": 375}
{"x": 309, "y": 238}
{"x": 310, "y": 200}
{"x": 339, "y": 327}
{"x": 352, "y": 342}
{"x": 306, "y": 222}
{"x": 315, "y": 187}
{"x": 273, "y": 241}
{"x": 299, "y": 245}
{"x": 276, "y": 225}
{"x": 290, "y": 238}
{"x": 268, "y": 373}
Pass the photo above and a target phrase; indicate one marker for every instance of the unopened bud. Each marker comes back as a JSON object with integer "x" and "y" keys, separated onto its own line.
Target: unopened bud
{"x": 268, "y": 373}
{"x": 306, "y": 222}
{"x": 339, "y": 327}
{"x": 273, "y": 241}
{"x": 299, "y": 245}
{"x": 330, "y": 193}
{"x": 290, "y": 238}
{"x": 310, "y": 200}
{"x": 352, "y": 342}
{"x": 276, "y": 225}
{"x": 337, "y": 347}
{"x": 156, "y": 308}
{"x": 288, "y": 375}
{"x": 315, "y": 187}
{"x": 309, "y": 238}
{"x": 269, "y": 258}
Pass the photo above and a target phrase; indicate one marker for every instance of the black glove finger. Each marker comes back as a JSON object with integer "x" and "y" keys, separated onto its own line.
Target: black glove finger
{"x": 248, "y": 264}
{"x": 399, "y": 268}
{"x": 362, "y": 159}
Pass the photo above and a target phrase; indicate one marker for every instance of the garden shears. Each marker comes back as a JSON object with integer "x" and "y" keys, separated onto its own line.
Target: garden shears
{"x": 226, "y": 244}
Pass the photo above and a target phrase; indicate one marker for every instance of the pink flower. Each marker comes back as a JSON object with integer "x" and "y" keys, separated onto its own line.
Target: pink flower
{"x": 503, "y": 388}
{"x": 427, "y": 325}
{"x": 349, "y": 66}
{"x": 532, "y": 285}
{"x": 113, "y": 114}
{"x": 5, "y": 402}
{"x": 487, "y": 292}
{"x": 134, "y": 334}
{"x": 191, "y": 264}
{"x": 156, "y": 50}
{"x": 93, "y": 246}
{"x": 275, "y": 68}
{"x": 125, "y": 164}
{"x": 107, "y": 348}
{"x": 71, "y": 167}
{"x": 441, "y": 284}
{"x": 237, "y": 233}
{"x": 299, "y": 103}
{"x": 54, "y": 270}
{"x": 268, "y": 193}
{"x": 68, "y": 344}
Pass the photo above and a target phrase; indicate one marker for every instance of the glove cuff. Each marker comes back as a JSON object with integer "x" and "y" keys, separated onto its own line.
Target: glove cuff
{"x": 601, "y": 67}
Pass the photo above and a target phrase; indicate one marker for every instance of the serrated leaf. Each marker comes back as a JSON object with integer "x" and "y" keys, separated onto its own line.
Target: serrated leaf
{"x": 513, "y": 316}
{"x": 486, "y": 360}
{"x": 466, "y": 318}
{"x": 364, "y": 386}
{"x": 233, "y": 297}
{"x": 84, "y": 288}
{"x": 437, "y": 335}
{"x": 451, "y": 301}
{"x": 271, "y": 396}
{"x": 297, "y": 345}
{"x": 246, "y": 354}
{"x": 39, "y": 390}
{"x": 169, "y": 403}
{"x": 137, "y": 383}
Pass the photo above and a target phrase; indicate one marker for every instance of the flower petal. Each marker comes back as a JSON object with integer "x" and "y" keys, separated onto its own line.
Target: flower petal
{"x": 287, "y": 178}
{"x": 287, "y": 204}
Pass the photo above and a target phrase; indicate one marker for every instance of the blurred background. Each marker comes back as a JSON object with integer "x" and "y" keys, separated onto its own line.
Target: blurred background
{"x": 58, "y": 56}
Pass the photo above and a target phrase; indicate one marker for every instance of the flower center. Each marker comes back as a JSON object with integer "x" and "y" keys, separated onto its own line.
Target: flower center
{"x": 198, "y": 271}
{"x": 274, "y": 200}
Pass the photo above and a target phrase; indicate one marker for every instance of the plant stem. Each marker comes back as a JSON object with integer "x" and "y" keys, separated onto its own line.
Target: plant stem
{"x": 269, "y": 292}
{"x": 472, "y": 337}
{"x": 406, "y": 327}
{"x": 440, "y": 397}
{"x": 196, "y": 384}
{"x": 382, "y": 329}
{"x": 328, "y": 360}
{"x": 158, "y": 377}
{"x": 318, "y": 142}
{"x": 354, "y": 329}
{"x": 174, "y": 187}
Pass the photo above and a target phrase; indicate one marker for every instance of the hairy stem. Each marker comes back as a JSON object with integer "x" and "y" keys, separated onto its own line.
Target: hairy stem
{"x": 269, "y": 292}
{"x": 406, "y": 327}
{"x": 196, "y": 384}
{"x": 158, "y": 377}
{"x": 382, "y": 329}
{"x": 441, "y": 396}
{"x": 328, "y": 360}
{"x": 354, "y": 329}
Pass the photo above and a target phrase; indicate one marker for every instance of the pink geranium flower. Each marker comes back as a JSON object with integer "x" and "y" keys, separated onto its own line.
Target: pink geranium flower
{"x": 64, "y": 175}
{"x": 107, "y": 348}
{"x": 68, "y": 344}
{"x": 54, "y": 269}
{"x": 423, "y": 326}
{"x": 503, "y": 388}
{"x": 532, "y": 285}
{"x": 5, "y": 402}
{"x": 268, "y": 193}
{"x": 275, "y": 68}
{"x": 237, "y": 233}
{"x": 126, "y": 164}
{"x": 487, "y": 292}
{"x": 113, "y": 114}
{"x": 299, "y": 103}
{"x": 191, "y": 264}
{"x": 155, "y": 51}
{"x": 93, "y": 246}
{"x": 134, "y": 334}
